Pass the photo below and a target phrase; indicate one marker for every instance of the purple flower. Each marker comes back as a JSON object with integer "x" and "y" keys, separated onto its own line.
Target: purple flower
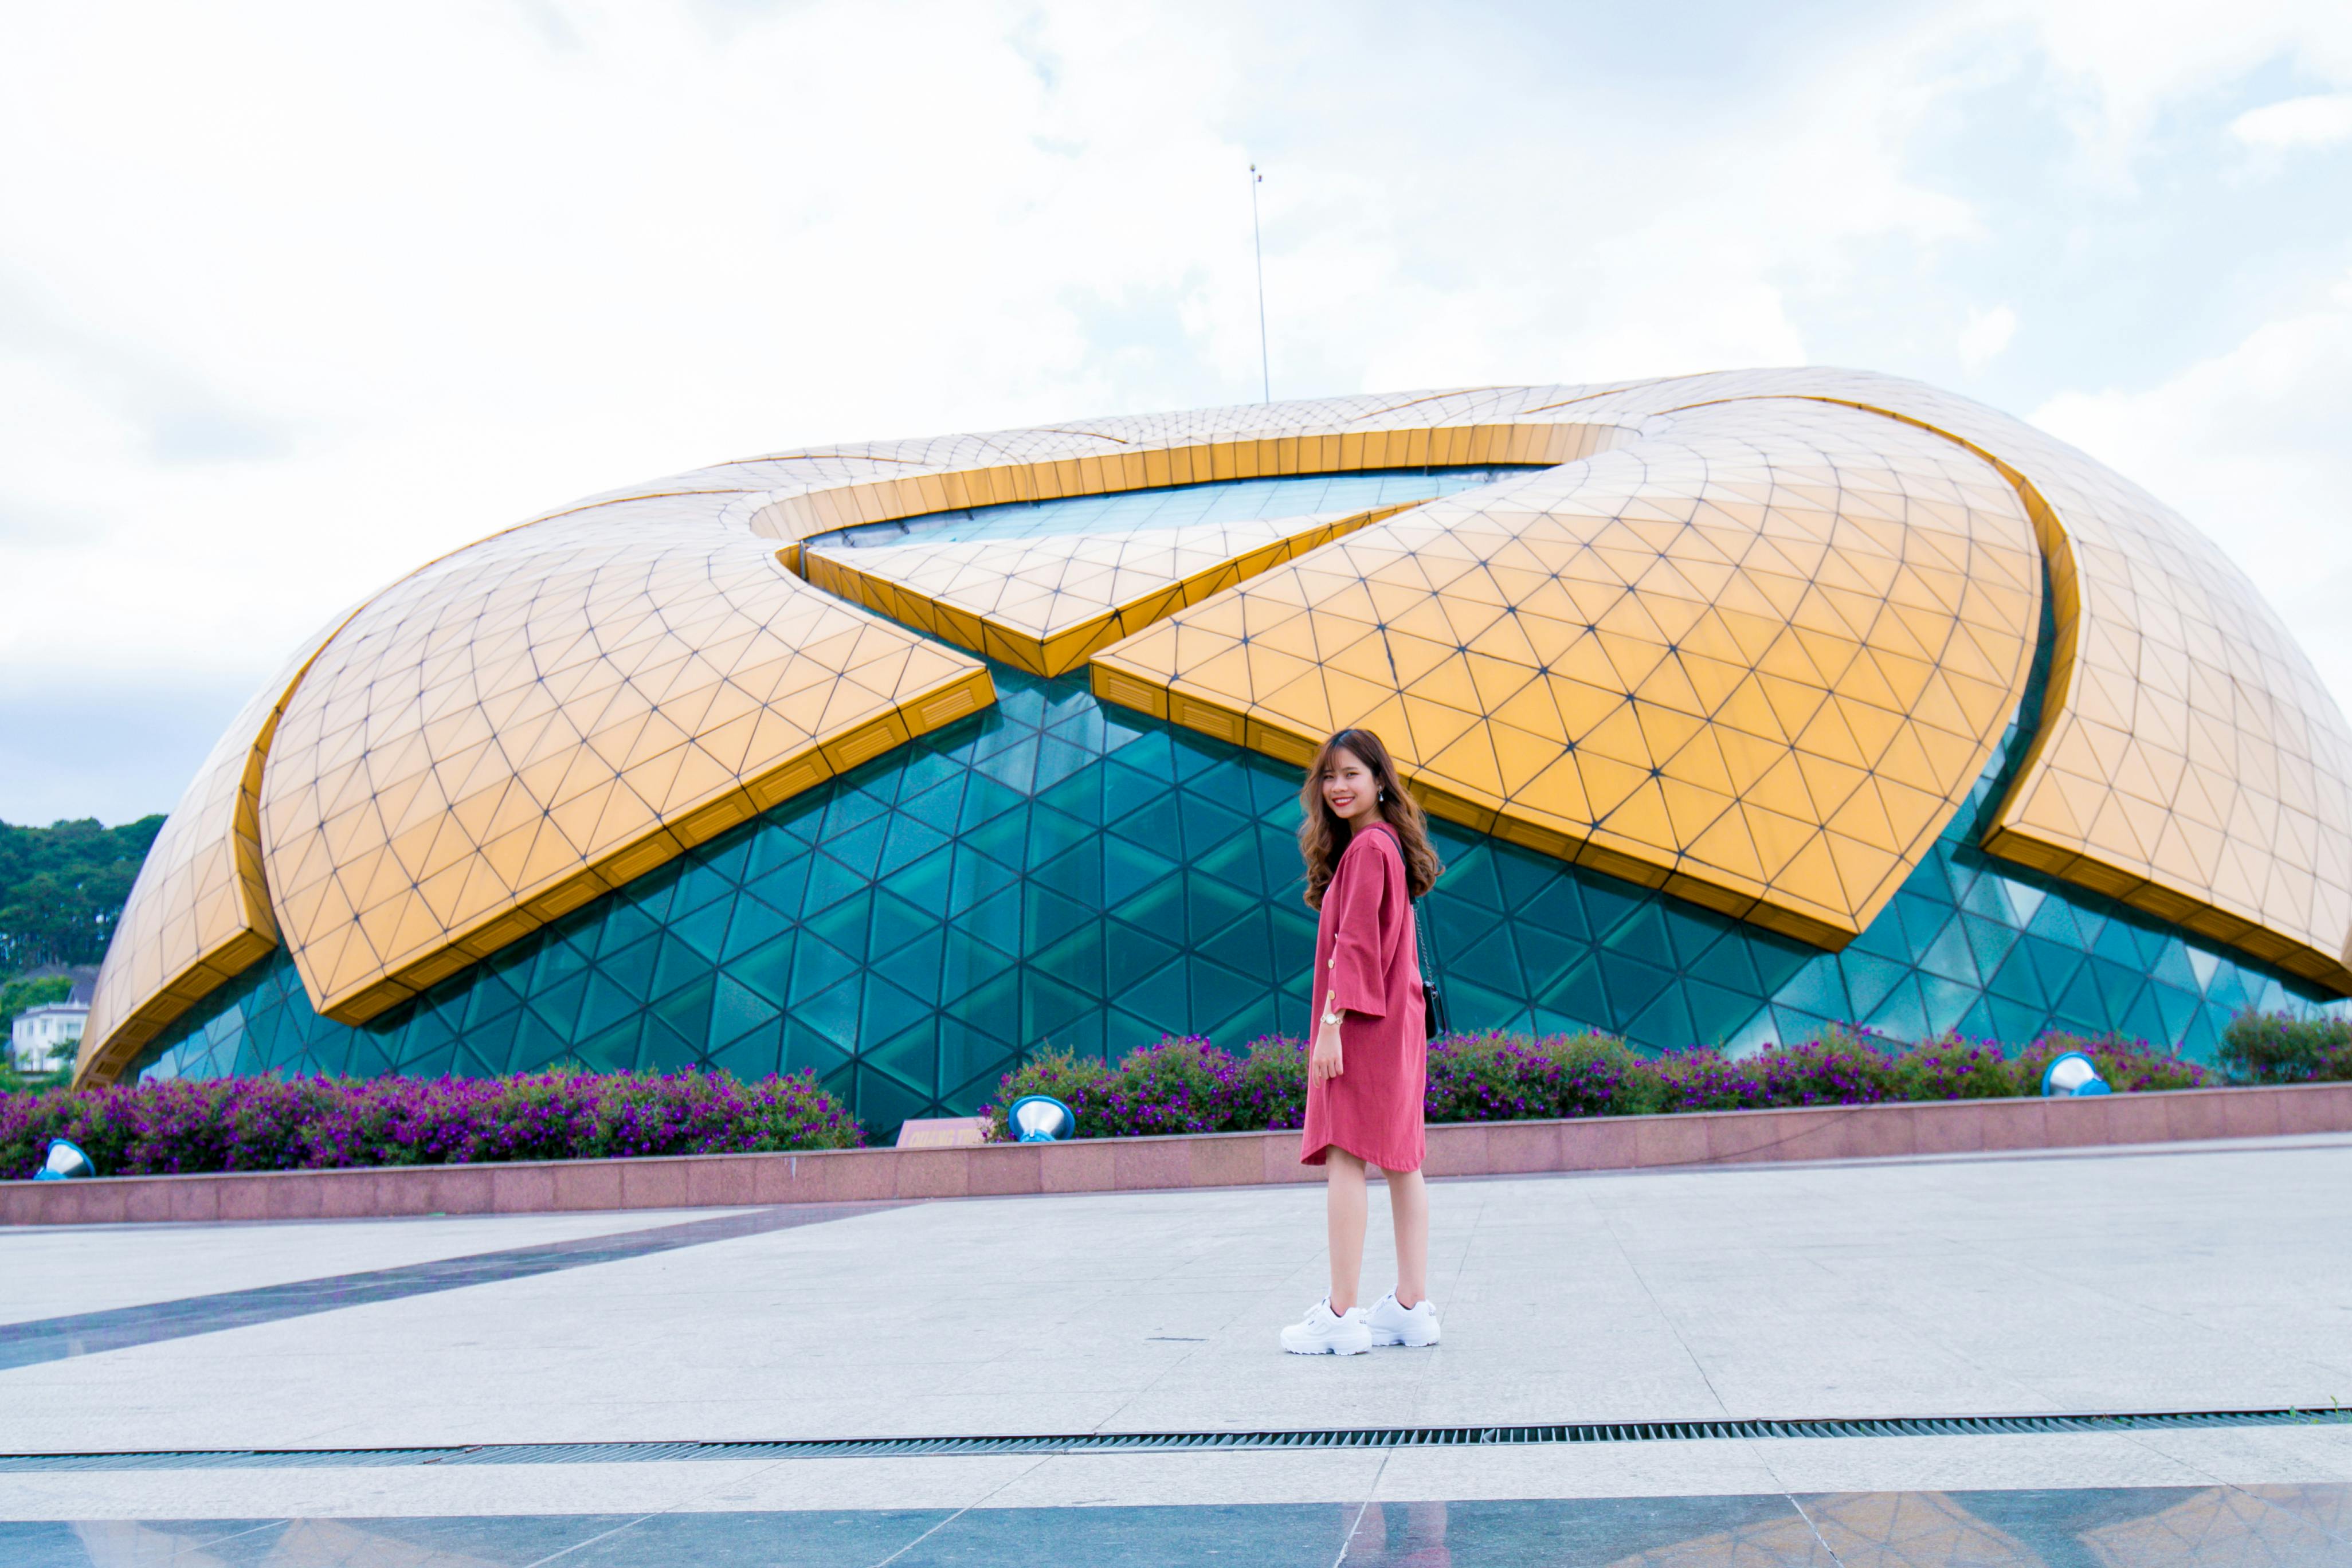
{"x": 1186, "y": 1085}
{"x": 173, "y": 1125}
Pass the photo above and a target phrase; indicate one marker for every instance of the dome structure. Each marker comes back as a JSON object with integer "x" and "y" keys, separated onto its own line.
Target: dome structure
{"x": 1743, "y": 702}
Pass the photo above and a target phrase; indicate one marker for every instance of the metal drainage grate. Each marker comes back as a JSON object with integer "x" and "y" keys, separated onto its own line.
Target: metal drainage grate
{"x": 1164, "y": 1442}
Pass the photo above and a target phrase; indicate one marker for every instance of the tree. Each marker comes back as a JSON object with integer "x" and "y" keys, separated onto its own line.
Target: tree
{"x": 62, "y": 888}
{"x": 18, "y": 995}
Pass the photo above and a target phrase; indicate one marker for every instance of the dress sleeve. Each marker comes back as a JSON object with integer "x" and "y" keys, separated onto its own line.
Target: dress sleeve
{"x": 1360, "y": 896}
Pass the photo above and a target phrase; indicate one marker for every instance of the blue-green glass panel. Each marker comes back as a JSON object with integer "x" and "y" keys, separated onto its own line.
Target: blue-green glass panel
{"x": 1132, "y": 879}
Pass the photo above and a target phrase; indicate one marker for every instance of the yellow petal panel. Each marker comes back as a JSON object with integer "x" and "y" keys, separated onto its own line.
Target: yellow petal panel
{"x": 1046, "y": 604}
{"x": 198, "y": 914}
{"x": 2187, "y": 759}
{"x": 817, "y": 492}
{"x": 546, "y": 715}
{"x": 1761, "y": 713}
{"x": 2197, "y": 766}
{"x": 1757, "y": 659}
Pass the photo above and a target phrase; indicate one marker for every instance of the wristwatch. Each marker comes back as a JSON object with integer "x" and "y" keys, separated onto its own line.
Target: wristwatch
{"x": 1330, "y": 1019}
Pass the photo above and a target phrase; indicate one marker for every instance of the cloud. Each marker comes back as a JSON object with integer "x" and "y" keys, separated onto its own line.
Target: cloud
{"x": 298, "y": 296}
{"x": 399, "y": 278}
{"x": 2131, "y": 62}
{"x": 2321, "y": 119}
{"x": 1987, "y": 333}
{"x": 169, "y": 409}
{"x": 2249, "y": 446}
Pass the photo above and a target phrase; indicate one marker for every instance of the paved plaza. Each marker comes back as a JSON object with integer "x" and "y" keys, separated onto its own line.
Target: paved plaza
{"x": 597, "y": 1388}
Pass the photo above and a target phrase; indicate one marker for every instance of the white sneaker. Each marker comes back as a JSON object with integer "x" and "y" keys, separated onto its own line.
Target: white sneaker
{"x": 1390, "y": 1324}
{"x": 1320, "y": 1332}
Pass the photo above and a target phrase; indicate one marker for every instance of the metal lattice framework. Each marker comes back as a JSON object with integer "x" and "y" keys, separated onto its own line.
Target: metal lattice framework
{"x": 1757, "y": 660}
{"x": 1750, "y": 638}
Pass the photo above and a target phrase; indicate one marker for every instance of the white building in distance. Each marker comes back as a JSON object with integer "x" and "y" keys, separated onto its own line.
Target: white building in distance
{"x": 44, "y": 1038}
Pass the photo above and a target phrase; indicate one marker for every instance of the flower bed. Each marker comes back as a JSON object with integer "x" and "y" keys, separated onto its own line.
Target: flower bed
{"x": 175, "y": 1126}
{"x": 171, "y": 1126}
{"x": 1188, "y": 1085}
{"x": 2272, "y": 1048}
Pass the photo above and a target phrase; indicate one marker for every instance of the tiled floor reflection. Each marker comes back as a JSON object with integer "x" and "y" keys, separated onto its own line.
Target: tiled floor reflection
{"x": 2219, "y": 1527}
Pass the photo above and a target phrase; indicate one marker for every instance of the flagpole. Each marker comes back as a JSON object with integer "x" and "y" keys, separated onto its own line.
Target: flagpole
{"x": 1257, "y": 241}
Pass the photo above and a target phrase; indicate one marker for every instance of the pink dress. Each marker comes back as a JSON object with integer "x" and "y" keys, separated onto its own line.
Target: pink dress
{"x": 1364, "y": 950}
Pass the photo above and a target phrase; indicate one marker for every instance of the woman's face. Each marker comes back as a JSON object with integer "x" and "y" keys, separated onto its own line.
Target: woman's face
{"x": 1348, "y": 789}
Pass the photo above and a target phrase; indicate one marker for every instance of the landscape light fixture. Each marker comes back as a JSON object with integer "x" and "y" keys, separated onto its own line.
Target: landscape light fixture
{"x": 1041, "y": 1119}
{"x": 67, "y": 1161}
{"x": 2071, "y": 1077}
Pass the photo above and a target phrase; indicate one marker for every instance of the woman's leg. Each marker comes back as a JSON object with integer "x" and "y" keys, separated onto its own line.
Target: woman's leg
{"x": 1344, "y": 1199}
{"x": 1409, "y": 1206}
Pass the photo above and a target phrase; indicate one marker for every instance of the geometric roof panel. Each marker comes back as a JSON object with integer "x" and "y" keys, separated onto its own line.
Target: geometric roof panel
{"x": 504, "y": 735}
{"x": 2189, "y": 759}
{"x": 1044, "y": 587}
{"x": 1044, "y": 605}
{"x": 1758, "y": 659}
{"x": 573, "y": 692}
{"x": 198, "y": 913}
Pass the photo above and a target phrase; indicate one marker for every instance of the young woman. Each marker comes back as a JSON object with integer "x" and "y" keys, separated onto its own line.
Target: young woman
{"x": 1368, "y": 857}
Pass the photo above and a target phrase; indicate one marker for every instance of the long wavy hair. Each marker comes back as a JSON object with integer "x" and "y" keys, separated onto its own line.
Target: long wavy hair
{"x": 1323, "y": 836}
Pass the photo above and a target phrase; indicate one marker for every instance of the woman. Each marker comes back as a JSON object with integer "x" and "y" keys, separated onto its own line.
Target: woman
{"x": 1368, "y": 857}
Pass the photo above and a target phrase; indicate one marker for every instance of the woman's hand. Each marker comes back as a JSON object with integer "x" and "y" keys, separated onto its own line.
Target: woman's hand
{"x": 1323, "y": 1061}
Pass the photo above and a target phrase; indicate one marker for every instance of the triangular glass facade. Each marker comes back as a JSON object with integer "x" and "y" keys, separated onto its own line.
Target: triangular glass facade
{"x": 1056, "y": 870}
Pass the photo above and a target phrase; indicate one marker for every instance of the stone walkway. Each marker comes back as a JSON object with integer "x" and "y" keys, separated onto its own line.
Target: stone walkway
{"x": 2191, "y": 1278}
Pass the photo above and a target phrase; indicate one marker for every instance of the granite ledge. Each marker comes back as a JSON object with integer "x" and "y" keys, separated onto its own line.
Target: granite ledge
{"x": 1184, "y": 1161}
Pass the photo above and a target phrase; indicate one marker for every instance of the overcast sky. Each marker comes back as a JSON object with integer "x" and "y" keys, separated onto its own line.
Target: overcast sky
{"x": 294, "y": 297}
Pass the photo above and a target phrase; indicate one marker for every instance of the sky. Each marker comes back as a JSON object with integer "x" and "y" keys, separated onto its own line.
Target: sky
{"x": 295, "y": 296}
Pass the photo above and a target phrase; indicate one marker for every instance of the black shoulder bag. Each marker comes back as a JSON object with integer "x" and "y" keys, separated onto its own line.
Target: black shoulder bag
{"x": 1432, "y": 997}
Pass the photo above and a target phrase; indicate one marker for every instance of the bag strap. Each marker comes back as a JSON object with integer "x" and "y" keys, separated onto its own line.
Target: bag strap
{"x": 1432, "y": 991}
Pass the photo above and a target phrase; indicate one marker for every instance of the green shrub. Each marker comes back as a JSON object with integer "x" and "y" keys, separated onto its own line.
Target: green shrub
{"x": 1057, "y": 1071}
{"x": 170, "y": 1126}
{"x": 2130, "y": 1066}
{"x": 15, "y": 1082}
{"x": 1187, "y": 1085}
{"x": 1270, "y": 1089}
{"x": 1501, "y": 1077}
{"x": 1954, "y": 1068}
{"x": 1842, "y": 1066}
{"x": 1176, "y": 1084}
{"x": 2272, "y": 1047}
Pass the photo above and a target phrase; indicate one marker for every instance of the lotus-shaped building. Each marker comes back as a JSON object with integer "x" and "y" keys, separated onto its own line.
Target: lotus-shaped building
{"x": 1744, "y": 702}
